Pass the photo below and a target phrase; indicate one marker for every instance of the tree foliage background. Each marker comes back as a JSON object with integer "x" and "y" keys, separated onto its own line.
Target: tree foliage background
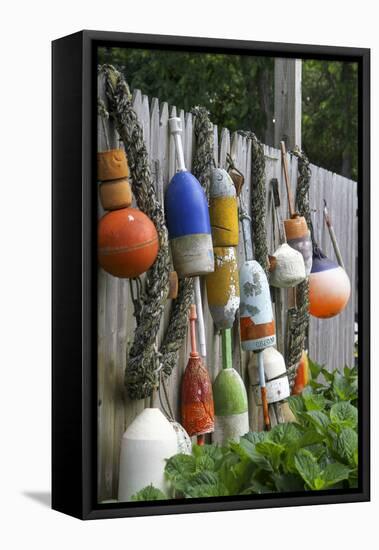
{"x": 238, "y": 91}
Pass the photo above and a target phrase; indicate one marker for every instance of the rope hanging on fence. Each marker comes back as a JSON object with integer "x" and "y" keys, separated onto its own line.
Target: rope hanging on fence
{"x": 143, "y": 365}
{"x": 298, "y": 318}
{"x": 258, "y": 201}
{"x": 203, "y": 160}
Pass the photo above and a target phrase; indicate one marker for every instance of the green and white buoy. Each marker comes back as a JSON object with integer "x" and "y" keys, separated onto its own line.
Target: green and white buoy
{"x": 230, "y": 399}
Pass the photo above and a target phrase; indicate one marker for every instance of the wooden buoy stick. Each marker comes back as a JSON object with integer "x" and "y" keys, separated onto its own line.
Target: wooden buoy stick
{"x": 262, "y": 384}
{"x": 175, "y": 125}
{"x": 287, "y": 179}
{"x": 333, "y": 236}
{"x": 200, "y": 318}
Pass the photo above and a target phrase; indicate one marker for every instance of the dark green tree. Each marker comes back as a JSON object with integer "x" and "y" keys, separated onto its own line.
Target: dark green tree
{"x": 238, "y": 91}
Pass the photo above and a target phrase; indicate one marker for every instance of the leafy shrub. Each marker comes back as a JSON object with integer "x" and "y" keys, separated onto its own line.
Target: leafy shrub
{"x": 317, "y": 451}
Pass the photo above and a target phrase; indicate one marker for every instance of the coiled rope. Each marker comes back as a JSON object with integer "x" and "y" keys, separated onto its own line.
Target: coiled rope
{"x": 298, "y": 318}
{"x": 143, "y": 365}
{"x": 258, "y": 201}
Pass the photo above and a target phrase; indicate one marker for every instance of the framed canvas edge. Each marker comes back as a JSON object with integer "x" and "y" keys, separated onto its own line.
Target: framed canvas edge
{"x": 87, "y": 507}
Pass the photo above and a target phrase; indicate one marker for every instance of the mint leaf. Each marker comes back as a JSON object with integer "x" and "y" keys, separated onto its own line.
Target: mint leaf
{"x": 343, "y": 389}
{"x": 308, "y": 469}
{"x": 272, "y": 451}
{"x": 296, "y": 404}
{"x": 179, "y": 469}
{"x": 207, "y": 490}
{"x": 334, "y": 473}
{"x": 318, "y": 420}
{"x": 314, "y": 402}
{"x": 314, "y": 368}
{"x": 346, "y": 446}
{"x": 344, "y": 415}
{"x": 149, "y": 493}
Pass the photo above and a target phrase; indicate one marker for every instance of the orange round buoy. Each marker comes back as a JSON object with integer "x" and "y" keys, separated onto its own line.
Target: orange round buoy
{"x": 127, "y": 242}
{"x": 329, "y": 287}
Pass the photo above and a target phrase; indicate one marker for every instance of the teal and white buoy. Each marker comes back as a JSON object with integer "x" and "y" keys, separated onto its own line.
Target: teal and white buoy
{"x": 230, "y": 399}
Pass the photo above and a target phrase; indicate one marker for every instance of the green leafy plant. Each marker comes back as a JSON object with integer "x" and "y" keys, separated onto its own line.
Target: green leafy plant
{"x": 317, "y": 451}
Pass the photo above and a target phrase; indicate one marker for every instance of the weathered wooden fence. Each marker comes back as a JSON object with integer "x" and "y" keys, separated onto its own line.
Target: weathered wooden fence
{"x": 330, "y": 341}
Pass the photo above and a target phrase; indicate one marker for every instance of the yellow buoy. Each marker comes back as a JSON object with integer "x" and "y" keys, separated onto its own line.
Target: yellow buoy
{"x": 223, "y": 289}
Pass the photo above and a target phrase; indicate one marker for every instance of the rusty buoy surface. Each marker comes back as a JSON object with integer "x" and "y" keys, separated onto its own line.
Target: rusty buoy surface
{"x": 329, "y": 287}
{"x": 127, "y": 242}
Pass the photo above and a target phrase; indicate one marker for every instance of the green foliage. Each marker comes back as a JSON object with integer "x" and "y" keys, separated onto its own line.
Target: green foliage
{"x": 319, "y": 451}
{"x": 330, "y": 115}
{"x": 238, "y": 91}
{"x": 149, "y": 493}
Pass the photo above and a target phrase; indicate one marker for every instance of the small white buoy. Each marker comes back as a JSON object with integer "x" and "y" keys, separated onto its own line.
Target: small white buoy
{"x": 287, "y": 267}
{"x": 276, "y": 390}
{"x": 274, "y": 365}
{"x": 147, "y": 443}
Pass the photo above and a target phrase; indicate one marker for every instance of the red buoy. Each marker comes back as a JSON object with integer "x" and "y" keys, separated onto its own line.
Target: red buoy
{"x": 127, "y": 243}
{"x": 197, "y": 397}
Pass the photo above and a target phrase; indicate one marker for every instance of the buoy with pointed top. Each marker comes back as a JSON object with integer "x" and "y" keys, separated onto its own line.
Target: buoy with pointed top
{"x": 329, "y": 287}
{"x": 187, "y": 218}
{"x": 146, "y": 444}
{"x": 197, "y": 404}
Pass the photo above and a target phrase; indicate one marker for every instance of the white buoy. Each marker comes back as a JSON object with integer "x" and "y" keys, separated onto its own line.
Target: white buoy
{"x": 287, "y": 267}
{"x": 147, "y": 443}
{"x": 276, "y": 390}
{"x": 274, "y": 365}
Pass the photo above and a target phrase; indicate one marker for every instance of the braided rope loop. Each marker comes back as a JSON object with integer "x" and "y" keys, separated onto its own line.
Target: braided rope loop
{"x": 299, "y": 320}
{"x": 143, "y": 365}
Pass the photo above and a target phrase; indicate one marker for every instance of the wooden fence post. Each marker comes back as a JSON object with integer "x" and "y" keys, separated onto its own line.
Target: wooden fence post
{"x": 287, "y": 105}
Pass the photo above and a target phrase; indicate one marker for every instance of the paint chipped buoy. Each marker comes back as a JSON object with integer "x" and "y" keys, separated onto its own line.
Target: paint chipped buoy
{"x": 256, "y": 317}
{"x": 127, "y": 242}
{"x": 146, "y": 444}
{"x": 223, "y": 289}
{"x": 230, "y": 399}
{"x": 187, "y": 218}
{"x": 223, "y": 210}
{"x": 329, "y": 287}
{"x": 287, "y": 267}
{"x": 197, "y": 406}
{"x": 113, "y": 173}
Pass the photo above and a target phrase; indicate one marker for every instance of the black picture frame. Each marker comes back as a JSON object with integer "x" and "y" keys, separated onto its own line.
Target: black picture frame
{"x": 74, "y": 270}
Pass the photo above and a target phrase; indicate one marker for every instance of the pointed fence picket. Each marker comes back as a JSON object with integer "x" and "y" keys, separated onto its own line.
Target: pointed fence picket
{"x": 330, "y": 341}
